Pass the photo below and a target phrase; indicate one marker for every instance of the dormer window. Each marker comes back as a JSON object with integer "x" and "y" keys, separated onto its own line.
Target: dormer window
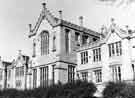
{"x": 44, "y": 43}
{"x": 77, "y": 38}
{"x": 84, "y": 39}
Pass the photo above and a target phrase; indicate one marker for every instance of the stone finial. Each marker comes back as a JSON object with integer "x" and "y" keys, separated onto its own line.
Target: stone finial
{"x": 81, "y": 20}
{"x": 30, "y": 27}
{"x": 44, "y": 5}
{"x": 60, "y": 14}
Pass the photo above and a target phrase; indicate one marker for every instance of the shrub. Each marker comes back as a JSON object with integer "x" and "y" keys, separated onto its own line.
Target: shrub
{"x": 119, "y": 90}
{"x": 78, "y": 89}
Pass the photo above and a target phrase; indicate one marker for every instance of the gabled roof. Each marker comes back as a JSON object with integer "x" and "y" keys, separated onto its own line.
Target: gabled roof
{"x": 113, "y": 28}
{"x": 54, "y": 21}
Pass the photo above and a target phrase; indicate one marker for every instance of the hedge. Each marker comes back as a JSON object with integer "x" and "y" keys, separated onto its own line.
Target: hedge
{"x": 78, "y": 89}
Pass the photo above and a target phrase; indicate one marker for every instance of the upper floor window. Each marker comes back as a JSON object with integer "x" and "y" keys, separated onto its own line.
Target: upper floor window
{"x": 71, "y": 73}
{"x": 85, "y": 76}
{"x": 9, "y": 74}
{"x": 44, "y": 43}
{"x": 67, "y": 40}
{"x": 34, "y": 48}
{"x": 116, "y": 73}
{"x": 115, "y": 49}
{"x": 98, "y": 75}
{"x": 97, "y": 55}
{"x": 84, "y": 39}
{"x": 77, "y": 38}
{"x": 19, "y": 71}
{"x": 84, "y": 57}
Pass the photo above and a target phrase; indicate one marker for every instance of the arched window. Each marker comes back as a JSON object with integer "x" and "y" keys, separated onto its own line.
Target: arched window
{"x": 44, "y": 43}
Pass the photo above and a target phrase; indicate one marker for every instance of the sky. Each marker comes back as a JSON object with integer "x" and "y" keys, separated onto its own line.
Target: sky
{"x": 15, "y": 15}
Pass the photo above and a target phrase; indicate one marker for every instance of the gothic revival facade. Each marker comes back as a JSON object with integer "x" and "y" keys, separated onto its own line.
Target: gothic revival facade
{"x": 64, "y": 51}
{"x": 15, "y": 74}
{"x": 54, "y": 43}
{"x": 111, "y": 58}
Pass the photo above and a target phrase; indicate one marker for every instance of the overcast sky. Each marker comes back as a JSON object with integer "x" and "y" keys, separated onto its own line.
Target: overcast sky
{"x": 15, "y": 15}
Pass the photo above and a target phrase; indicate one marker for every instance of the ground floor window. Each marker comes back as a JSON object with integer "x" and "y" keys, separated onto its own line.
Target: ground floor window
{"x": 71, "y": 73}
{"x": 44, "y": 76}
{"x": 84, "y": 76}
{"x": 53, "y": 74}
{"x": 34, "y": 78}
{"x": 98, "y": 75}
{"x": 18, "y": 83}
{"x": 116, "y": 73}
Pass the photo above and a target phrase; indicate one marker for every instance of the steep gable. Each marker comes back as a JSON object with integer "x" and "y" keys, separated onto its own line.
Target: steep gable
{"x": 114, "y": 34}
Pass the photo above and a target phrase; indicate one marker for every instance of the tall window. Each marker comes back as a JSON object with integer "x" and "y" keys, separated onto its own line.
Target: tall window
{"x": 34, "y": 78}
{"x": 34, "y": 48}
{"x": 44, "y": 43}
{"x": 67, "y": 41}
{"x": 116, "y": 73}
{"x": 54, "y": 43}
{"x": 84, "y": 57}
{"x": 97, "y": 55}
{"x": 44, "y": 76}
{"x": 1, "y": 74}
{"x": 77, "y": 38}
{"x": 85, "y": 76}
{"x": 98, "y": 75}
{"x": 115, "y": 49}
{"x": 71, "y": 73}
{"x": 9, "y": 74}
{"x": 19, "y": 71}
{"x": 53, "y": 74}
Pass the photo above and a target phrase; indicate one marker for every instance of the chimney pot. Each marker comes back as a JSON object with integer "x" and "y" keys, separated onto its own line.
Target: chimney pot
{"x": 60, "y": 14}
{"x": 19, "y": 52}
{"x": 81, "y": 20}
{"x": 44, "y": 5}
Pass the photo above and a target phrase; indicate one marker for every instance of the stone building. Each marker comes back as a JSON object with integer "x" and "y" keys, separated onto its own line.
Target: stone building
{"x": 54, "y": 43}
{"x": 15, "y": 74}
{"x": 111, "y": 58}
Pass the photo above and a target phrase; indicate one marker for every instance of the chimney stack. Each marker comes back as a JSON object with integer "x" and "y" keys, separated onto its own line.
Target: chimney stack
{"x": 60, "y": 14}
{"x": 113, "y": 21}
{"x": 129, "y": 31}
{"x": 44, "y": 5}
{"x": 81, "y": 20}
{"x": 19, "y": 52}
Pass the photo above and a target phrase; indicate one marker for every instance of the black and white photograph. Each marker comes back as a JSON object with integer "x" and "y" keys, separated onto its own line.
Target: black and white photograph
{"x": 67, "y": 48}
